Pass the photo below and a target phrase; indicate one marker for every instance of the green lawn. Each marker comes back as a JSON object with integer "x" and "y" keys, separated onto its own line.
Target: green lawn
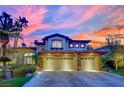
{"x": 16, "y": 82}
{"x": 119, "y": 72}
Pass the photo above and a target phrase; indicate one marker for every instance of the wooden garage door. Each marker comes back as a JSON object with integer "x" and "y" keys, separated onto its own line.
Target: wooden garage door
{"x": 88, "y": 63}
{"x": 59, "y": 64}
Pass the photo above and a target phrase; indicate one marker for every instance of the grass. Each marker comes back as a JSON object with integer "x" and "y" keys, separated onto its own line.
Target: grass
{"x": 119, "y": 72}
{"x": 16, "y": 82}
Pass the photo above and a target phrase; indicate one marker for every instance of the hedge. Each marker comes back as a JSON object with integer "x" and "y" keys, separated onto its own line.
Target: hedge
{"x": 1, "y": 74}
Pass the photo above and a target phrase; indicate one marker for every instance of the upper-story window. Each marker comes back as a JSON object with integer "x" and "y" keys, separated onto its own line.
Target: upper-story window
{"x": 56, "y": 44}
{"x": 82, "y": 45}
{"x": 71, "y": 45}
{"x": 76, "y": 45}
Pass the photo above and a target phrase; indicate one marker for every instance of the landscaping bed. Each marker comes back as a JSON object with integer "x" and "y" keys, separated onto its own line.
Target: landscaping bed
{"x": 21, "y": 75}
{"x": 15, "y": 82}
{"x": 22, "y": 70}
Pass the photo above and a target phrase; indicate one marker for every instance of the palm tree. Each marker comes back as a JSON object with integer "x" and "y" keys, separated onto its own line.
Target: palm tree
{"x": 10, "y": 28}
{"x": 19, "y": 25}
{"x": 5, "y": 27}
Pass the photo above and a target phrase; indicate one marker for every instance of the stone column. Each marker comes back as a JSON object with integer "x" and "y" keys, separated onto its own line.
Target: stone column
{"x": 78, "y": 61}
{"x": 97, "y": 63}
{"x": 8, "y": 74}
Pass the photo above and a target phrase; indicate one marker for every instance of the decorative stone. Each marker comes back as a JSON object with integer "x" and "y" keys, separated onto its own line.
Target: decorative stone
{"x": 28, "y": 75}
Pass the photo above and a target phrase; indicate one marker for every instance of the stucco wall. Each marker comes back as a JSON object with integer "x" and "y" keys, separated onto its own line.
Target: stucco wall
{"x": 65, "y": 44}
{"x": 48, "y": 43}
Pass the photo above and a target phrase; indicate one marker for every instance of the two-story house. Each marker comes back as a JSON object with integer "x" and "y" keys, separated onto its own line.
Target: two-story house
{"x": 61, "y": 53}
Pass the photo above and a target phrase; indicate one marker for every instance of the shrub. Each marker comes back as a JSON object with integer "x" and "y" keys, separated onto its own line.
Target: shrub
{"x": 14, "y": 66}
{"x": 17, "y": 73}
{"x": 23, "y": 70}
{"x": 1, "y": 74}
{"x": 5, "y": 59}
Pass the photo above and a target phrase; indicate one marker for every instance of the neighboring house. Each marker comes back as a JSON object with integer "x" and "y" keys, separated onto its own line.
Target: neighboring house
{"x": 61, "y": 53}
{"x": 23, "y": 55}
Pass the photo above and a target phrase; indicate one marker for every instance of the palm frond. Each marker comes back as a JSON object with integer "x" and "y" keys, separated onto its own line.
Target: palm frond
{"x": 11, "y": 28}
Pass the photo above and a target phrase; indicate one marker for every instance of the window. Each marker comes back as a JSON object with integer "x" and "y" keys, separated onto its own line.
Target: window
{"x": 57, "y": 44}
{"x": 76, "y": 45}
{"x": 82, "y": 45}
{"x": 71, "y": 45}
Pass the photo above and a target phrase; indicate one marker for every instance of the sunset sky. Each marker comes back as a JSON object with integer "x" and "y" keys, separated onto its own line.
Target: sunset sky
{"x": 78, "y": 22}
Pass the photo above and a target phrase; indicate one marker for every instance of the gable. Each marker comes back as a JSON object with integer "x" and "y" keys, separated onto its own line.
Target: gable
{"x": 56, "y": 35}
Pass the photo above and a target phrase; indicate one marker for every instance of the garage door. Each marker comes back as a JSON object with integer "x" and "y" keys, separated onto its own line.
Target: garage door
{"x": 59, "y": 64}
{"x": 87, "y": 63}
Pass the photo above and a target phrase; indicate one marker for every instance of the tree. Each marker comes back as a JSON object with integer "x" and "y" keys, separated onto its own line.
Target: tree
{"x": 36, "y": 58}
{"x": 5, "y": 28}
{"x": 113, "y": 41}
{"x": 19, "y": 25}
{"x": 10, "y": 28}
{"x": 23, "y": 45}
{"x": 35, "y": 43}
{"x": 4, "y": 60}
{"x": 103, "y": 60}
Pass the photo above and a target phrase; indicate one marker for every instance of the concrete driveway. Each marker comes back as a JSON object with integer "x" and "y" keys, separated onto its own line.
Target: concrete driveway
{"x": 76, "y": 79}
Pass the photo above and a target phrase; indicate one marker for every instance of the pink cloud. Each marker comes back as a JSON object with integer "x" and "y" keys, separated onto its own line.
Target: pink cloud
{"x": 78, "y": 16}
{"x": 35, "y": 17}
{"x": 98, "y": 38}
{"x": 115, "y": 16}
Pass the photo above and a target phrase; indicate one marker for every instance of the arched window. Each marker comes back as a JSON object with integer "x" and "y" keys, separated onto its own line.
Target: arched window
{"x": 28, "y": 58}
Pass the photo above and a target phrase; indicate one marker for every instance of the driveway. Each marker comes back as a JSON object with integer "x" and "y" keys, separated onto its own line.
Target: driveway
{"x": 76, "y": 79}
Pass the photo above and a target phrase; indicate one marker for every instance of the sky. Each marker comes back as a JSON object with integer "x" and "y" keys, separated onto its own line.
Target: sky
{"x": 84, "y": 22}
